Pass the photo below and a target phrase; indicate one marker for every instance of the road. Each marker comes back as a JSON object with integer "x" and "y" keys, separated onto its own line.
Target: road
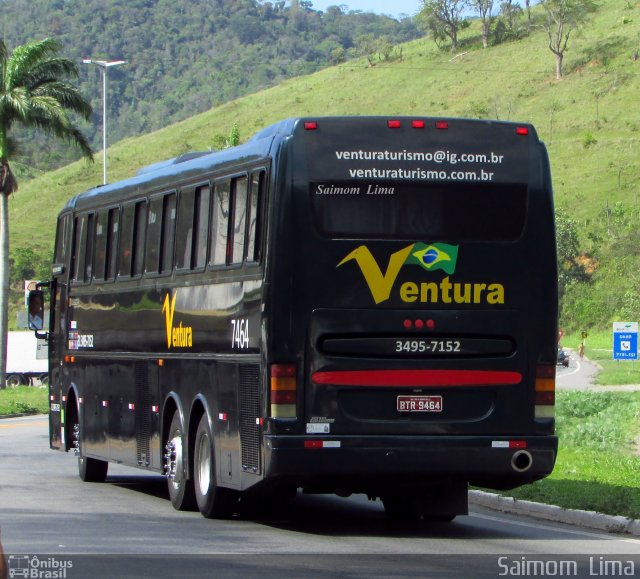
{"x": 579, "y": 375}
{"x": 126, "y": 527}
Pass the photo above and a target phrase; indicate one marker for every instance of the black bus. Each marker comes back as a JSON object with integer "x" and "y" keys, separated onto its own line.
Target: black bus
{"x": 340, "y": 305}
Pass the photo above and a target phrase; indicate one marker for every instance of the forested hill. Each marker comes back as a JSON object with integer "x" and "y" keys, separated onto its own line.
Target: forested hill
{"x": 186, "y": 56}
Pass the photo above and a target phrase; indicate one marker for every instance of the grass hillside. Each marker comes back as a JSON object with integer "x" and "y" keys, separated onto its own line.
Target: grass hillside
{"x": 590, "y": 120}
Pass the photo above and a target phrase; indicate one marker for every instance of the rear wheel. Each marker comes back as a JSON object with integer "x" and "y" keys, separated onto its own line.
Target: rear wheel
{"x": 175, "y": 467}
{"x": 400, "y": 508}
{"x": 92, "y": 469}
{"x": 213, "y": 501}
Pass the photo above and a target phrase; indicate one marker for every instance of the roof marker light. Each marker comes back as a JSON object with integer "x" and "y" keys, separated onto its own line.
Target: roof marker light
{"x": 418, "y": 124}
{"x": 442, "y": 125}
{"x": 522, "y": 131}
{"x": 393, "y": 124}
{"x": 310, "y": 125}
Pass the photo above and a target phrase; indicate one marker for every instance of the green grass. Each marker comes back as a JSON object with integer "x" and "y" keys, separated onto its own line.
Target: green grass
{"x": 24, "y": 400}
{"x": 599, "y": 349}
{"x": 598, "y": 466}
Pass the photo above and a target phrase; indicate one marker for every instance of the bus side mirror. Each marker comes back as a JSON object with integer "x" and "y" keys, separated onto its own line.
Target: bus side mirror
{"x": 36, "y": 310}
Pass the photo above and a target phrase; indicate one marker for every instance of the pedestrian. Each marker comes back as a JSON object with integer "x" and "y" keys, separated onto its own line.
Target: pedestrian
{"x": 581, "y": 350}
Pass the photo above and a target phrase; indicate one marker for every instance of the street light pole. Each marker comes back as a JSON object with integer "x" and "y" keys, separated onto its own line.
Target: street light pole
{"x": 104, "y": 65}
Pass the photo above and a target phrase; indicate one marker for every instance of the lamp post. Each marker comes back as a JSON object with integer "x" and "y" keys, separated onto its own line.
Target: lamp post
{"x": 104, "y": 65}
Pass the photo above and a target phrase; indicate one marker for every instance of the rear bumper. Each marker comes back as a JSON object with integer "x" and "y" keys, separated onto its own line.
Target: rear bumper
{"x": 358, "y": 462}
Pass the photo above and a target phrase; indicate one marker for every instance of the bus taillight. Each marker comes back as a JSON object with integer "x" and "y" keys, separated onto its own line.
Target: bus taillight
{"x": 283, "y": 390}
{"x": 545, "y": 396}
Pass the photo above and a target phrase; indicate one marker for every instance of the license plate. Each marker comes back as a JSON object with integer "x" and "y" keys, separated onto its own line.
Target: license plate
{"x": 419, "y": 404}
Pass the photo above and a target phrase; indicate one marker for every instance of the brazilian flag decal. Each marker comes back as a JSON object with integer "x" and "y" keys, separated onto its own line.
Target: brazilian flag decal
{"x": 434, "y": 256}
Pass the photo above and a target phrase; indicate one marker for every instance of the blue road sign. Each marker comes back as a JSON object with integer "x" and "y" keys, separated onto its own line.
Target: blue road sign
{"x": 625, "y": 340}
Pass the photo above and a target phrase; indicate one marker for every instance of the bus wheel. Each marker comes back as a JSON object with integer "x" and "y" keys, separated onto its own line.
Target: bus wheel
{"x": 89, "y": 469}
{"x": 213, "y": 501}
{"x": 180, "y": 487}
{"x": 439, "y": 518}
{"x": 400, "y": 508}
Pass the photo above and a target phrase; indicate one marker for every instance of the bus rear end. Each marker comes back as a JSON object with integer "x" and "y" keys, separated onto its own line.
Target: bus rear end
{"x": 422, "y": 327}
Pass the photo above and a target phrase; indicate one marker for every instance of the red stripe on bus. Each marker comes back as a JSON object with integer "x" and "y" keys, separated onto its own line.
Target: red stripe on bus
{"x": 417, "y": 378}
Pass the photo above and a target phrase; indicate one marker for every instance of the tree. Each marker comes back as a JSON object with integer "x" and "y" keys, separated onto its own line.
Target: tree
{"x": 562, "y": 18}
{"x": 443, "y": 18}
{"x": 571, "y": 268}
{"x": 484, "y": 9}
{"x": 33, "y": 94}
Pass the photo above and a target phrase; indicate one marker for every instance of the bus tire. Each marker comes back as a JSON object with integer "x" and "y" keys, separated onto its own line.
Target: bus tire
{"x": 92, "y": 469}
{"x": 214, "y": 502}
{"x": 180, "y": 487}
{"x": 439, "y": 518}
{"x": 400, "y": 508}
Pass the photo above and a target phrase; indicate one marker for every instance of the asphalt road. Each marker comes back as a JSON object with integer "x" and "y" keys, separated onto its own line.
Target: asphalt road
{"x": 126, "y": 527}
{"x": 579, "y": 375}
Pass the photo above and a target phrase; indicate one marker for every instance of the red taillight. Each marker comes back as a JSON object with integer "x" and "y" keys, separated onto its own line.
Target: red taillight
{"x": 522, "y": 131}
{"x": 545, "y": 395}
{"x": 442, "y": 125}
{"x": 545, "y": 398}
{"x": 283, "y": 390}
{"x": 394, "y": 124}
{"x": 310, "y": 125}
{"x": 417, "y": 124}
{"x": 283, "y": 397}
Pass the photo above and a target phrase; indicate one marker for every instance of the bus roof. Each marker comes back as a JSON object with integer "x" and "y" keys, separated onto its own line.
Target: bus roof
{"x": 162, "y": 175}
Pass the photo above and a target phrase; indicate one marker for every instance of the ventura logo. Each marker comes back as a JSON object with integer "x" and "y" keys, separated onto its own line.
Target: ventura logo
{"x": 431, "y": 257}
{"x": 180, "y": 336}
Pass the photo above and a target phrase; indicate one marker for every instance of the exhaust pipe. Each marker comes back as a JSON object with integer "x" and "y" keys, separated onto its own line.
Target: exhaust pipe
{"x": 521, "y": 461}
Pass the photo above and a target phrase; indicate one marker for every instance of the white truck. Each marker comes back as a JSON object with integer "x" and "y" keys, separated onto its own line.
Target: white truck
{"x": 26, "y": 359}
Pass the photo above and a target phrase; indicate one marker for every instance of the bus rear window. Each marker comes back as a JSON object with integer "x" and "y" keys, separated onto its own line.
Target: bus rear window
{"x": 444, "y": 211}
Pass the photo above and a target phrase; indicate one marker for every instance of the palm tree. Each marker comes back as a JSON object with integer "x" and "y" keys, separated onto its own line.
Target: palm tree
{"x": 33, "y": 94}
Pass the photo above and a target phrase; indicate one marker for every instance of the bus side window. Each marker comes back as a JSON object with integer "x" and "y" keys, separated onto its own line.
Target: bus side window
{"x": 254, "y": 242}
{"x": 100, "y": 258}
{"x": 220, "y": 223}
{"x": 112, "y": 242}
{"x": 201, "y": 227}
{"x": 168, "y": 233}
{"x": 139, "y": 230}
{"x": 184, "y": 231}
{"x": 79, "y": 248}
{"x": 239, "y": 219}
{"x": 88, "y": 262}
{"x": 61, "y": 239}
{"x": 126, "y": 241}
{"x": 154, "y": 230}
